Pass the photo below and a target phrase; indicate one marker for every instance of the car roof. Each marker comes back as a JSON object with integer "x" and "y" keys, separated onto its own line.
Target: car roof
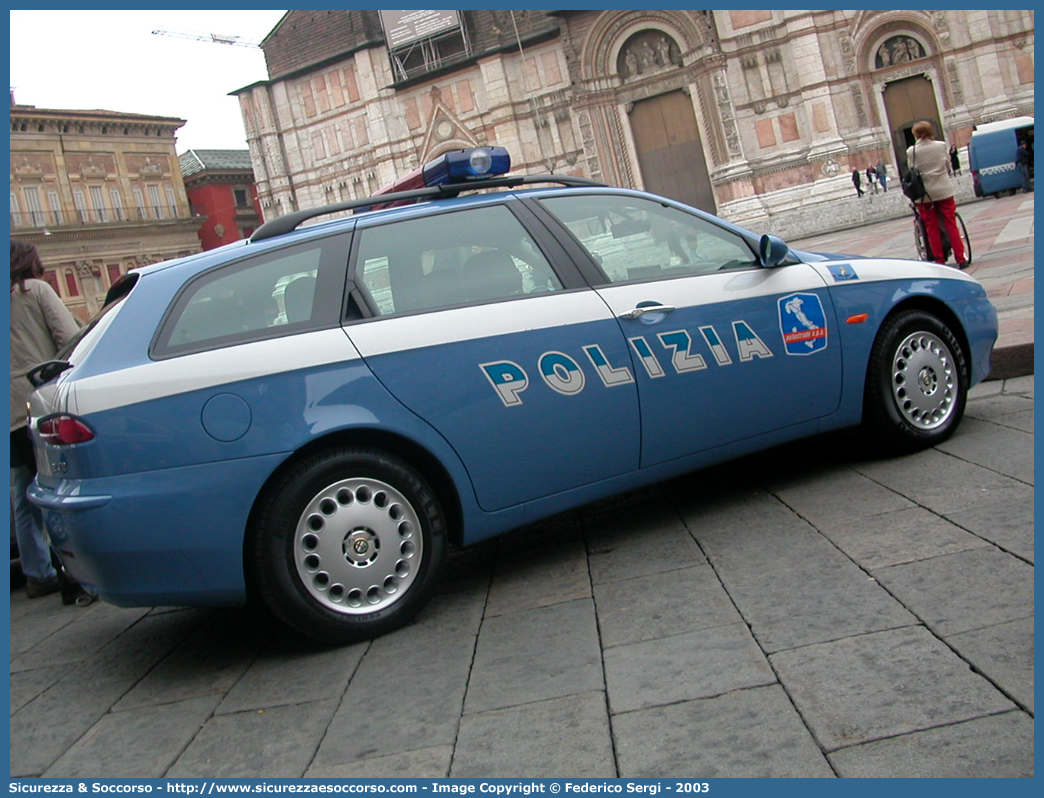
{"x": 422, "y": 206}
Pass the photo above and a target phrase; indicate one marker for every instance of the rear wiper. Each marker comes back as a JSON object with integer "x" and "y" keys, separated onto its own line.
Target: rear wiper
{"x": 46, "y": 372}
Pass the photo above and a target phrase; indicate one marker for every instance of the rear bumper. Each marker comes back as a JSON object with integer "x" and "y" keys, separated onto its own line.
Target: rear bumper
{"x": 163, "y": 538}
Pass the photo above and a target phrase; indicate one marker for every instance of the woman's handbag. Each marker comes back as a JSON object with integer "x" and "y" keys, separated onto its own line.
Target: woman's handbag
{"x": 912, "y": 182}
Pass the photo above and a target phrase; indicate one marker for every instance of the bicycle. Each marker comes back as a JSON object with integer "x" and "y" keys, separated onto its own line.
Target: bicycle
{"x": 924, "y": 248}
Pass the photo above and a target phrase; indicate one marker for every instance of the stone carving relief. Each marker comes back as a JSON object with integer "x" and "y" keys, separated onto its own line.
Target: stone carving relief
{"x": 956, "y": 90}
{"x": 830, "y": 167}
{"x": 90, "y": 165}
{"x": 647, "y": 53}
{"x": 859, "y": 102}
{"x": 728, "y": 119}
{"x": 86, "y": 268}
{"x": 31, "y": 164}
{"x": 848, "y": 54}
{"x": 148, "y": 165}
{"x": 942, "y": 26}
{"x": 594, "y": 166}
{"x": 898, "y": 50}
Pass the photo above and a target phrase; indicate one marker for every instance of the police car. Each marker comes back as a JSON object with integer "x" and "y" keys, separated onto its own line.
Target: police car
{"x": 310, "y": 418}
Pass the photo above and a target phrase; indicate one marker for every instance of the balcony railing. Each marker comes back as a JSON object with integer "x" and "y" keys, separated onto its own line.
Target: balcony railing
{"x": 74, "y": 217}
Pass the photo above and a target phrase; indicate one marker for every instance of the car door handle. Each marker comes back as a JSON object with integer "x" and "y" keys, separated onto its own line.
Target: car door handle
{"x": 641, "y": 310}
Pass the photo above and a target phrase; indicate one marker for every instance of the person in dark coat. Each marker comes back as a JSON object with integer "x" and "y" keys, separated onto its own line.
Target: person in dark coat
{"x": 882, "y": 175}
{"x": 955, "y": 160}
{"x": 1024, "y": 159}
{"x": 857, "y": 182}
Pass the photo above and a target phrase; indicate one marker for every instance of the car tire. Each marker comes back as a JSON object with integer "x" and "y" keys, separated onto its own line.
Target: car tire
{"x": 916, "y": 384}
{"x": 348, "y": 544}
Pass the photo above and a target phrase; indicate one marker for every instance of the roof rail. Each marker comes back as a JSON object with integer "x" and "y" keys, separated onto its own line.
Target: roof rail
{"x": 289, "y": 222}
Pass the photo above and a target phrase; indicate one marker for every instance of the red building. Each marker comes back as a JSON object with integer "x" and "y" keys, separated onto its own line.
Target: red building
{"x": 220, "y": 187}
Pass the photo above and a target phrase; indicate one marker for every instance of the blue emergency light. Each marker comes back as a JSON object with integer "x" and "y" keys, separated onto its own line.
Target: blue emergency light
{"x": 461, "y": 166}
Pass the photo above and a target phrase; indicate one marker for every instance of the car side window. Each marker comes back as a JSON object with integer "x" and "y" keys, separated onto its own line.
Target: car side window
{"x": 632, "y": 238}
{"x": 257, "y": 298}
{"x": 473, "y": 255}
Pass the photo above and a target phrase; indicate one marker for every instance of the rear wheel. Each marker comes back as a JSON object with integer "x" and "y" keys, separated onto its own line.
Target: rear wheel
{"x": 348, "y": 545}
{"x": 916, "y": 385}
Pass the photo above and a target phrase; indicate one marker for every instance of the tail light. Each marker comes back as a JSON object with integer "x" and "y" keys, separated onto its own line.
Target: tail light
{"x": 64, "y": 430}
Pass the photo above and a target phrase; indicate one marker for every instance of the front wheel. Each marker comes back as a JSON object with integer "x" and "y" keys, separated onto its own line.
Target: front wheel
{"x": 924, "y": 250}
{"x": 964, "y": 239}
{"x": 916, "y": 385}
{"x": 347, "y": 545}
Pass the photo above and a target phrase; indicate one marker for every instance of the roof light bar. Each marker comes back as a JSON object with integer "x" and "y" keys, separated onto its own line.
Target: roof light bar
{"x": 463, "y": 165}
{"x": 457, "y": 166}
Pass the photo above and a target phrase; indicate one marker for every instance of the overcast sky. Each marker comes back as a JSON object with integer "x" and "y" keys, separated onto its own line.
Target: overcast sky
{"x": 111, "y": 60}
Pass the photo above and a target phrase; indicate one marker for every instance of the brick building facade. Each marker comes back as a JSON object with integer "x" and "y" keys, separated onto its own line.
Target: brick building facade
{"x": 220, "y": 188}
{"x": 744, "y": 113}
{"x": 98, "y": 193}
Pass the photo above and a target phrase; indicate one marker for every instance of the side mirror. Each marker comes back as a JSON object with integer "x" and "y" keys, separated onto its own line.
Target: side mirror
{"x": 772, "y": 250}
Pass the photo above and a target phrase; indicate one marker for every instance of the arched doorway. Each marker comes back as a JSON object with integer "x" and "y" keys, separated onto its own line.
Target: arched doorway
{"x": 669, "y": 149}
{"x": 909, "y": 99}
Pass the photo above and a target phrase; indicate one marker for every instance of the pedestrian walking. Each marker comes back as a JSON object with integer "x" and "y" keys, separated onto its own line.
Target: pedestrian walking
{"x": 882, "y": 175}
{"x": 871, "y": 178}
{"x": 40, "y": 326}
{"x": 955, "y": 160}
{"x": 933, "y": 162}
{"x": 857, "y": 181}
{"x": 1024, "y": 159}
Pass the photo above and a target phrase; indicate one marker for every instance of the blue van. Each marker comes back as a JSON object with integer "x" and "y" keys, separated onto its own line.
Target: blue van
{"x": 991, "y": 155}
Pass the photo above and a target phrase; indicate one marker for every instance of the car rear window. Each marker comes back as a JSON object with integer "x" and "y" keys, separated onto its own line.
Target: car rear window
{"x": 292, "y": 290}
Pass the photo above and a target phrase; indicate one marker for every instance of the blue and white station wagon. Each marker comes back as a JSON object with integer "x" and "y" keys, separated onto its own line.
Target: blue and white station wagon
{"x": 310, "y": 418}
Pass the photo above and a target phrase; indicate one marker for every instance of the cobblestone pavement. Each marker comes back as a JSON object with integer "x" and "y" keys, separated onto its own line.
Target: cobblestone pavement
{"x": 802, "y": 613}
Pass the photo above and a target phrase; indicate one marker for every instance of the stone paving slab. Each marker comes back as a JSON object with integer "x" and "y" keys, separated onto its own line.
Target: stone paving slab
{"x": 797, "y": 613}
{"x": 746, "y": 734}
{"x": 884, "y": 684}
{"x": 899, "y": 537}
{"x": 996, "y": 446}
{"x": 958, "y": 592}
{"x": 1003, "y": 654}
{"x": 279, "y": 742}
{"x": 791, "y": 584}
{"x": 138, "y": 743}
{"x": 651, "y": 607}
{"x": 617, "y": 553}
{"x": 536, "y": 655}
{"x": 423, "y": 763}
{"x": 1000, "y": 746}
{"x": 413, "y": 682}
{"x": 287, "y": 676}
{"x": 46, "y": 727}
{"x": 540, "y": 578}
{"x": 567, "y": 736}
{"x": 1006, "y": 524}
{"x": 209, "y": 662}
{"x": 943, "y": 483}
{"x": 683, "y": 667}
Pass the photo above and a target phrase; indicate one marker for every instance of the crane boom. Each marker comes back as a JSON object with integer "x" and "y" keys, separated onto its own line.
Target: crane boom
{"x": 214, "y": 38}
